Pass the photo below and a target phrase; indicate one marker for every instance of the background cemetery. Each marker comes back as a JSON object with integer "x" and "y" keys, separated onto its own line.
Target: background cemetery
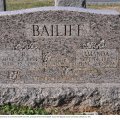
{"x": 21, "y": 4}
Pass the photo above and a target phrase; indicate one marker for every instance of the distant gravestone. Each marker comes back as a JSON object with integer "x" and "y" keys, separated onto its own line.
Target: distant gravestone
{"x": 79, "y": 3}
{"x": 1, "y": 5}
{"x": 72, "y": 3}
{"x": 60, "y": 56}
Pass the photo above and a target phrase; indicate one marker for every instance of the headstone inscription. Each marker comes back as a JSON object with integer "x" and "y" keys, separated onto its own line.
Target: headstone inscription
{"x": 72, "y": 46}
{"x": 58, "y": 48}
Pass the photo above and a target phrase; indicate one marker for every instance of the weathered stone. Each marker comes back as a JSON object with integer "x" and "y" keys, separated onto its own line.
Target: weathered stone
{"x": 61, "y": 44}
{"x": 60, "y": 95}
{"x": 49, "y": 56}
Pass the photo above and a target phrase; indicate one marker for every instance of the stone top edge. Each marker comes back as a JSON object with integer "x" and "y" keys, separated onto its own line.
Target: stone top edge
{"x": 56, "y": 8}
{"x": 61, "y": 85}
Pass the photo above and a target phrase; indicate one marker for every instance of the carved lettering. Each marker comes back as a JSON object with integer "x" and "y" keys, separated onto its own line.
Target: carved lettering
{"x": 20, "y": 59}
{"x": 36, "y": 30}
{"x": 44, "y": 31}
{"x": 49, "y": 30}
{"x": 104, "y": 58}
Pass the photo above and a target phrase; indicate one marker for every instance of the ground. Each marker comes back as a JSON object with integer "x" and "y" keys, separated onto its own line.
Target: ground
{"x": 112, "y": 7}
{"x": 23, "y": 4}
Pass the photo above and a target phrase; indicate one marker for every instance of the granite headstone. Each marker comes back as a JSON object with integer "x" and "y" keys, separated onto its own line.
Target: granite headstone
{"x": 47, "y": 53}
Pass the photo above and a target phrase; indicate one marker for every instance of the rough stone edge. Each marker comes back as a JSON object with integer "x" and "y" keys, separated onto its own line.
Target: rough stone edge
{"x": 55, "y": 87}
{"x": 76, "y": 9}
{"x": 73, "y": 85}
{"x": 87, "y": 97}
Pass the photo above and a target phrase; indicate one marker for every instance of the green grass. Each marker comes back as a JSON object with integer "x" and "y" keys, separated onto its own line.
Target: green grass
{"x": 20, "y": 110}
{"x": 24, "y": 4}
{"x": 112, "y": 6}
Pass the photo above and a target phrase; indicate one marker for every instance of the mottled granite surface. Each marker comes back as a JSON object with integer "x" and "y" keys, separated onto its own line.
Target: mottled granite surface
{"x": 59, "y": 44}
{"x": 64, "y": 46}
{"x": 80, "y": 98}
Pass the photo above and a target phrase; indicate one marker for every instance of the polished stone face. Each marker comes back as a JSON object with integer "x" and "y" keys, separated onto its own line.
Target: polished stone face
{"x": 59, "y": 45}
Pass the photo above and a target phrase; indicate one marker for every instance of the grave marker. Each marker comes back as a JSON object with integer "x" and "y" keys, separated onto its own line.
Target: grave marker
{"x": 48, "y": 50}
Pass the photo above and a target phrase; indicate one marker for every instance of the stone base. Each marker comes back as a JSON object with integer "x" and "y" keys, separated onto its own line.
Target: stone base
{"x": 85, "y": 97}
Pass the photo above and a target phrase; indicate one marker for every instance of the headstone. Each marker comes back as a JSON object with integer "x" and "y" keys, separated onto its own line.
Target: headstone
{"x": 78, "y": 3}
{"x": 1, "y": 5}
{"x": 72, "y": 3}
{"x": 47, "y": 53}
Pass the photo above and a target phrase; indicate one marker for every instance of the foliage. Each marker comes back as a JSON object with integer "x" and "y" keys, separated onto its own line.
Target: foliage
{"x": 24, "y": 4}
{"x": 9, "y": 109}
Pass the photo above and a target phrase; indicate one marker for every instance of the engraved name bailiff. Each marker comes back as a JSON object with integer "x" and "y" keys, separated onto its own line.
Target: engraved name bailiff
{"x": 49, "y": 30}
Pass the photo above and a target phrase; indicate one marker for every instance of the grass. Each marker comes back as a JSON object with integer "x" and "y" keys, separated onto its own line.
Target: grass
{"x": 21, "y": 110}
{"x": 9, "y": 109}
{"x": 24, "y": 4}
{"x": 111, "y": 7}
